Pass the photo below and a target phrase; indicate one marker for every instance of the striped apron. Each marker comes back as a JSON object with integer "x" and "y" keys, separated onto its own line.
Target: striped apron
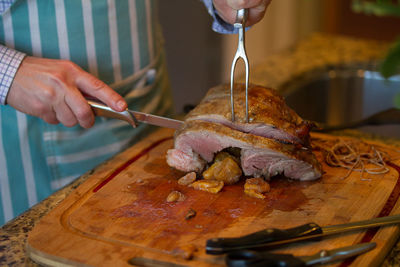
{"x": 118, "y": 41}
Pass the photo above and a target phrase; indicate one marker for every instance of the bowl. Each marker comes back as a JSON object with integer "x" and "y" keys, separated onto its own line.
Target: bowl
{"x": 341, "y": 94}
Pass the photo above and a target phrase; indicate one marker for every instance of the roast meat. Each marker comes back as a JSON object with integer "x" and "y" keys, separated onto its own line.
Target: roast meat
{"x": 198, "y": 141}
{"x": 269, "y": 116}
{"x": 275, "y": 141}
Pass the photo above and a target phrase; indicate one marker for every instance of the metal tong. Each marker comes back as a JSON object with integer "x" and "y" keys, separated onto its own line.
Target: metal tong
{"x": 272, "y": 237}
{"x": 240, "y": 23}
{"x": 249, "y": 258}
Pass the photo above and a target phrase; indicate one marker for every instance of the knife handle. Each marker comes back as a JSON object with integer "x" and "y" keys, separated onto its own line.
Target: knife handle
{"x": 259, "y": 239}
{"x": 102, "y": 110}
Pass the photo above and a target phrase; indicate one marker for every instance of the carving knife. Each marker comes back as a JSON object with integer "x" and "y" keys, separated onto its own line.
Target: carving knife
{"x": 133, "y": 117}
{"x": 271, "y": 237}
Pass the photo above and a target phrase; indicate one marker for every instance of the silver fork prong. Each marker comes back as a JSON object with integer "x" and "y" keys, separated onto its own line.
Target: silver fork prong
{"x": 247, "y": 86}
{"x": 240, "y": 23}
{"x": 235, "y": 59}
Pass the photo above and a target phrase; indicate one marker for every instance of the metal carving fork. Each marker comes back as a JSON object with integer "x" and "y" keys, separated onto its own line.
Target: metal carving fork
{"x": 240, "y": 23}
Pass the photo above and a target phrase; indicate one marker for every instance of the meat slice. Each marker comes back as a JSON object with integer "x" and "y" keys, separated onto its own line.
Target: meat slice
{"x": 269, "y": 116}
{"x": 198, "y": 141}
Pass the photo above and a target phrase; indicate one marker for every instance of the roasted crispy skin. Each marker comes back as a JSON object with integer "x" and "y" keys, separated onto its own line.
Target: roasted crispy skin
{"x": 266, "y": 109}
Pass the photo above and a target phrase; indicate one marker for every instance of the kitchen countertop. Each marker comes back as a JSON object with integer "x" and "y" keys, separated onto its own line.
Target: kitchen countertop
{"x": 318, "y": 50}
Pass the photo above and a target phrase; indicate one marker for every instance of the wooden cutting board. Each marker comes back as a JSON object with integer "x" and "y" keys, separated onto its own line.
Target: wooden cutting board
{"x": 120, "y": 213}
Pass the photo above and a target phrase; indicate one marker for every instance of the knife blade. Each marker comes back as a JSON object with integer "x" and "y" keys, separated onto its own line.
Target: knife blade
{"x": 271, "y": 237}
{"x": 133, "y": 117}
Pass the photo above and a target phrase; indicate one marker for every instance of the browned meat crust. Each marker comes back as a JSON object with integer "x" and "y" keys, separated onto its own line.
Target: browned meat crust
{"x": 269, "y": 116}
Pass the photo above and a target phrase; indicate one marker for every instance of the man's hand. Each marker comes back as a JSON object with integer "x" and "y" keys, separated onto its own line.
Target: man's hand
{"x": 227, "y": 9}
{"x": 52, "y": 89}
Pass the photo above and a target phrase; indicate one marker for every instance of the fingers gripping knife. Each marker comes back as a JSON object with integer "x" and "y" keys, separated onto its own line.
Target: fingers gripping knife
{"x": 240, "y": 24}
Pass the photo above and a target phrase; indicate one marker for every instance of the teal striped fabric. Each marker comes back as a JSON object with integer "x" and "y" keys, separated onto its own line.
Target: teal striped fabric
{"x": 115, "y": 40}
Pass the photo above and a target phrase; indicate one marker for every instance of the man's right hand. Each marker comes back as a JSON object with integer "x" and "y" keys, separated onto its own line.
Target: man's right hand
{"x": 52, "y": 89}
{"x": 227, "y": 9}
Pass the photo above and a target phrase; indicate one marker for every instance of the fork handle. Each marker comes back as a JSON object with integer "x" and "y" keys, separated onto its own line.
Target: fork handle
{"x": 261, "y": 238}
{"x": 241, "y": 18}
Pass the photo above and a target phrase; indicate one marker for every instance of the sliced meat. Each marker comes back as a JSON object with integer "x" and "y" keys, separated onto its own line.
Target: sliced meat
{"x": 269, "y": 116}
{"x": 268, "y": 163}
{"x": 198, "y": 141}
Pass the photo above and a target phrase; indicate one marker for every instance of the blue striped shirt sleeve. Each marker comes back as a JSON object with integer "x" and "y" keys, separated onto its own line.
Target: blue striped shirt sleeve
{"x": 5, "y": 4}
{"x": 10, "y": 60}
{"x": 218, "y": 25}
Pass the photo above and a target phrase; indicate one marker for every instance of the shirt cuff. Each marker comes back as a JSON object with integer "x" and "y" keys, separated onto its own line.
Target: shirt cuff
{"x": 218, "y": 25}
{"x": 10, "y": 60}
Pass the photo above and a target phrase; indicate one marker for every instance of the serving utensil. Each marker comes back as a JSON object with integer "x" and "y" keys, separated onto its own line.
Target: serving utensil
{"x": 240, "y": 24}
{"x": 249, "y": 258}
{"x": 271, "y": 237}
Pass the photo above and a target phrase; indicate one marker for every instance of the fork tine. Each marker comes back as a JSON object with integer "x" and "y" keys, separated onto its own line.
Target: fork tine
{"x": 235, "y": 59}
{"x": 247, "y": 89}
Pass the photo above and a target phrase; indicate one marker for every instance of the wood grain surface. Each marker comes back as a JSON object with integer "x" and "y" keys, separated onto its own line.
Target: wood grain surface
{"x": 120, "y": 214}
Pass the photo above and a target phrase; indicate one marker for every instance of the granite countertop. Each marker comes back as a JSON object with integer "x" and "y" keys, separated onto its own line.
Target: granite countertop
{"x": 315, "y": 51}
